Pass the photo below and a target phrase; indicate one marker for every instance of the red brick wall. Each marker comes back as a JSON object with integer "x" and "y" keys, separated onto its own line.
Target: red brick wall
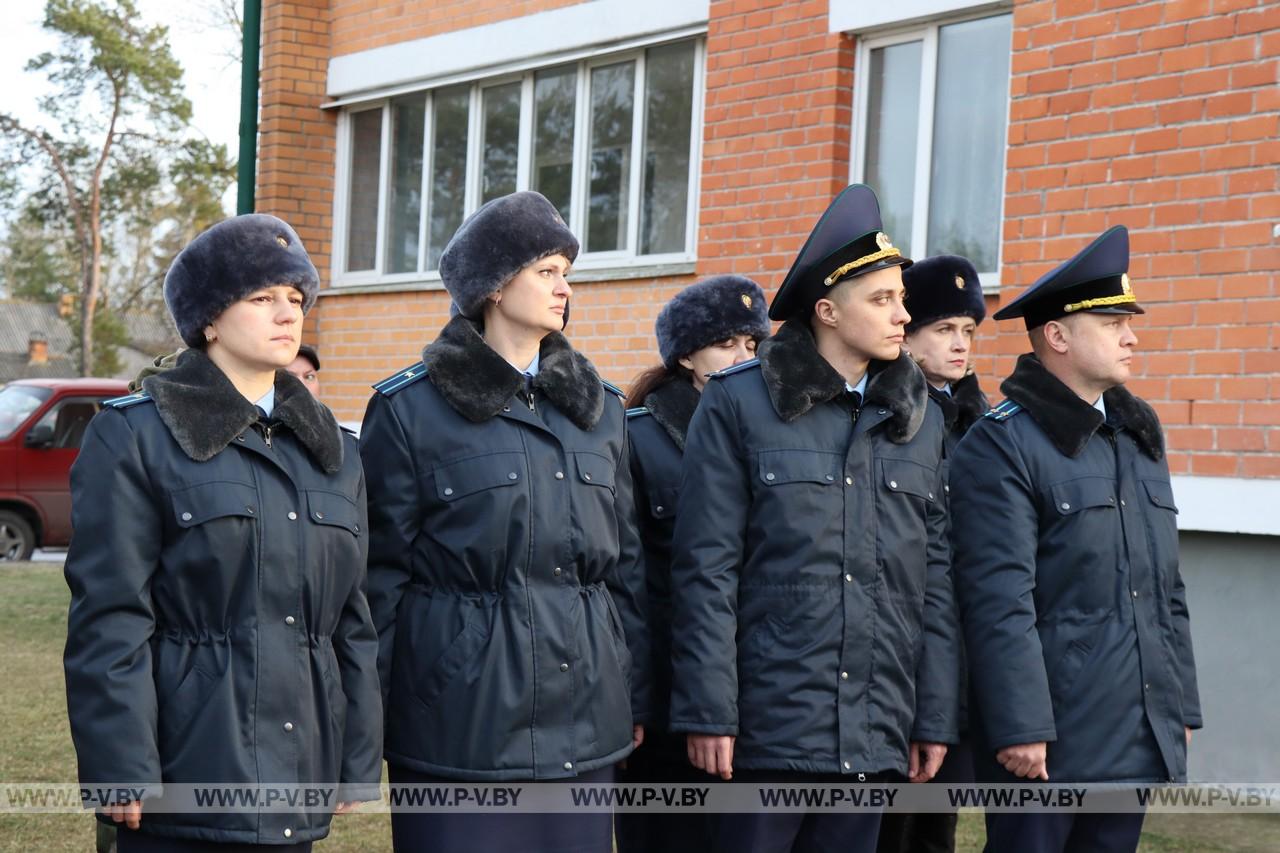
{"x": 364, "y": 24}
{"x": 1164, "y": 117}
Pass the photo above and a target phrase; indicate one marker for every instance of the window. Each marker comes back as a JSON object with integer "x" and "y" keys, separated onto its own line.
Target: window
{"x": 932, "y": 107}
{"x": 63, "y": 426}
{"x": 612, "y": 141}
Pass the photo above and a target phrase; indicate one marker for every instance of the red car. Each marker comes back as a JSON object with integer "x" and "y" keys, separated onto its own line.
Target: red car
{"x": 42, "y": 422}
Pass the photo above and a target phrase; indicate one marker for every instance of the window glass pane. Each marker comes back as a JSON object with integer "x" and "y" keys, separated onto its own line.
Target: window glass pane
{"x": 405, "y": 202}
{"x": 612, "y": 100}
{"x": 893, "y": 117}
{"x": 362, "y": 214}
{"x": 501, "y": 141}
{"x": 668, "y": 122}
{"x": 554, "y": 96}
{"x": 966, "y": 183}
{"x": 448, "y": 169}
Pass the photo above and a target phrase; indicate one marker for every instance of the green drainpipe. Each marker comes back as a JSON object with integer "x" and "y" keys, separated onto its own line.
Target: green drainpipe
{"x": 246, "y": 167}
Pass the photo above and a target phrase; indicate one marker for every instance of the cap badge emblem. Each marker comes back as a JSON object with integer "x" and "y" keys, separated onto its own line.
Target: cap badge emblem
{"x": 960, "y": 282}
{"x": 284, "y": 244}
{"x": 1124, "y": 284}
{"x": 882, "y": 240}
{"x": 746, "y": 300}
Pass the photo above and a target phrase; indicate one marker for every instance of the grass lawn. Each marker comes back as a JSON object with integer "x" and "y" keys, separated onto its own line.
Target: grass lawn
{"x": 35, "y": 745}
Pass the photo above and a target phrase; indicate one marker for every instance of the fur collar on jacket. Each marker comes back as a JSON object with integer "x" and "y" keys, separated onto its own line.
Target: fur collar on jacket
{"x": 965, "y": 404}
{"x": 1069, "y": 421}
{"x": 477, "y": 382}
{"x": 799, "y": 378}
{"x": 204, "y": 412}
{"x": 672, "y": 405}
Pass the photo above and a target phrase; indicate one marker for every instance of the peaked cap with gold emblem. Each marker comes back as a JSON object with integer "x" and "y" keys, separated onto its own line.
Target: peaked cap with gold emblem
{"x": 228, "y": 262}
{"x": 1095, "y": 280}
{"x": 848, "y": 241}
{"x": 709, "y": 311}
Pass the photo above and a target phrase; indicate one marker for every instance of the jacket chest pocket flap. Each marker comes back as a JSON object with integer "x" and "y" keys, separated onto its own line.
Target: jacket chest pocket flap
{"x": 594, "y": 469}
{"x": 1160, "y": 493}
{"x": 478, "y": 473}
{"x": 203, "y": 502}
{"x": 911, "y": 478}
{"x": 1085, "y": 493}
{"x": 780, "y": 467}
{"x": 332, "y": 509}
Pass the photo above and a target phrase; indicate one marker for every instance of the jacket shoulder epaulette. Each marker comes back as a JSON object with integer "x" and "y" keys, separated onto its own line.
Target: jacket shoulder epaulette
{"x": 1003, "y": 411}
{"x": 637, "y": 412}
{"x": 609, "y": 386}
{"x": 401, "y": 379}
{"x": 737, "y": 368}
{"x": 127, "y": 400}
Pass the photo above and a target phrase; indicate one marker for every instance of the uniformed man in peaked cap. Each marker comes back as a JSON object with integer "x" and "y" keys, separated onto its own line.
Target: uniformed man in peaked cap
{"x": 1066, "y": 561}
{"x": 814, "y": 631}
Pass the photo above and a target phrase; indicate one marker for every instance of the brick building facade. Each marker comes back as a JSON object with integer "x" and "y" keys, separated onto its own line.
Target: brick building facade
{"x": 1012, "y": 132}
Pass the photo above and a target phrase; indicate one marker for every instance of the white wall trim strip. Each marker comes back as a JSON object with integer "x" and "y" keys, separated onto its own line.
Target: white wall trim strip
{"x": 854, "y": 16}
{"x": 573, "y": 31}
{"x": 1228, "y": 504}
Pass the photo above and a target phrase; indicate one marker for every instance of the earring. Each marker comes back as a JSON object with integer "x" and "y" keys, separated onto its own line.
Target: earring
{"x": 210, "y": 338}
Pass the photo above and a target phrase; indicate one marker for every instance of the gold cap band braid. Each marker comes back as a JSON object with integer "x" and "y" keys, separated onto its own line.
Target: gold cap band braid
{"x": 1102, "y": 302}
{"x": 890, "y": 252}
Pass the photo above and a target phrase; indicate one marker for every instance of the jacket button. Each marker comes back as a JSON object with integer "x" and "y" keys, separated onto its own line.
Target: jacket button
{"x": 448, "y": 492}
{"x": 882, "y": 411}
{"x": 831, "y": 478}
{"x": 893, "y": 484}
{"x": 512, "y": 476}
{"x": 557, "y": 571}
{"x": 862, "y": 777}
{"x": 288, "y": 727}
{"x": 1066, "y": 505}
{"x": 240, "y": 437}
{"x": 186, "y": 516}
{"x": 1111, "y": 500}
{"x": 568, "y": 765}
{"x": 769, "y": 476}
{"x": 946, "y": 489}
{"x": 844, "y": 676}
{"x": 319, "y": 515}
{"x": 847, "y": 766}
{"x": 357, "y": 528}
{"x": 848, "y": 481}
{"x": 658, "y": 509}
{"x": 293, "y": 516}
{"x": 931, "y": 496}
{"x": 1122, "y": 503}
{"x": 1135, "y": 593}
{"x": 559, "y": 475}
{"x": 1146, "y": 687}
{"x": 848, "y": 578}
{"x": 249, "y": 510}
{"x": 564, "y": 667}
{"x": 289, "y": 620}
{"x": 584, "y": 476}
{"x": 506, "y": 408}
{"x": 288, "y": 833}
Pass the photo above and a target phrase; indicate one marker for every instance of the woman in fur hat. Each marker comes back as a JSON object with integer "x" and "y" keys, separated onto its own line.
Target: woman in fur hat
{"x": 705, "y": 328}
{"x": 505, "y": 573}
{"x": 945, "y": 299}
{"x": 218, "y": 630}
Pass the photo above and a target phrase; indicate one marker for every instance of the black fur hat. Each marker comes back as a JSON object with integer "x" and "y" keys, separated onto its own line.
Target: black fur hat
{"x": 942, "y": 286}
{"x": 229, "y": 261}
{"x": 496, "y": 242}
{"x": 712, "y": 310}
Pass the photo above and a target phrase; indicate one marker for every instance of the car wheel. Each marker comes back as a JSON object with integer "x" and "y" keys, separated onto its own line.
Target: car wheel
{"x": 17, "y": 539}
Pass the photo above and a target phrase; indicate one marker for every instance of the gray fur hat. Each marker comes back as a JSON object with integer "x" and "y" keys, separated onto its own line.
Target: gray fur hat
{"x": 496, "y": 242}
{"x": 712, "y": 310}
{"x": 229, "y": 261}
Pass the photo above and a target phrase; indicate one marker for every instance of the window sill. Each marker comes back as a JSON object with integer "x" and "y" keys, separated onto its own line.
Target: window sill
{"x": 628, "y": 272}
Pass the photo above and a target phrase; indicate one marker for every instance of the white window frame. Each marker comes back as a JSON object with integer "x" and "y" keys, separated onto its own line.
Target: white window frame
{"x": 627, "y": 262}
{"x": 927, "y": 34}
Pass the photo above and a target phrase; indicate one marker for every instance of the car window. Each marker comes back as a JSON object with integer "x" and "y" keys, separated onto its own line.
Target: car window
{"x": 68, "y": 420}
{"x": 17, "y": 402}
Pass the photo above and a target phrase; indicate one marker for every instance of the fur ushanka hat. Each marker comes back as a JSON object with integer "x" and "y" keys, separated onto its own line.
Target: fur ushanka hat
{"x": 496, "y": 242}
{"x": 229, "y": 261}
{"x": 712, "y": 310}
{"x": 940, "y": 287}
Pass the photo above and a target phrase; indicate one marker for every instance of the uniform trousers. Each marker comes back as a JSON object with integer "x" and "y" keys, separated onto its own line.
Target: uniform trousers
{"x": 1063, "y": 833}
{"x": 663, "y": 759}
{"x": 799, "y": 832}
{"x": 480, "y": 832}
